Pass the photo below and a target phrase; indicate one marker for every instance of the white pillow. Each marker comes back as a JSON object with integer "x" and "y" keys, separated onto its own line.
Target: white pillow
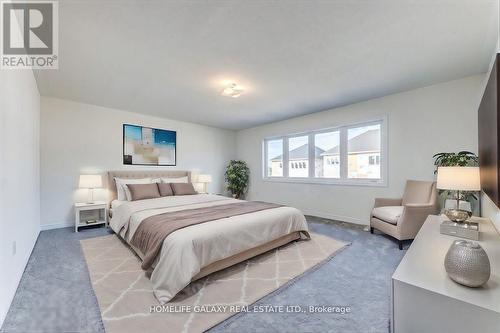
{"x": 122, "y": 191}
{"x": 175, "y": 180}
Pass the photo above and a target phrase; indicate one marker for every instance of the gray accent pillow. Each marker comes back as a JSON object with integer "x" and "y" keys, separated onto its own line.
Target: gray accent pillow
{"x": 183, "y": 188}
{"x": 165, "y": 189}
{"x": 143, "y": 191}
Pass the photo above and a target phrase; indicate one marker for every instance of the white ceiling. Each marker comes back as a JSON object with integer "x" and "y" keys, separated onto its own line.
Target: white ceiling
{"x": 169, "y": 58}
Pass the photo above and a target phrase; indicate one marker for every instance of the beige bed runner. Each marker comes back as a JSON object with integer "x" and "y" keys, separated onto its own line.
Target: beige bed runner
{"x": 151, "y": 233}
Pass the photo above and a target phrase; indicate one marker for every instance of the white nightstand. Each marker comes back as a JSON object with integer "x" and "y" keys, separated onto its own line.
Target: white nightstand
{"x": 90, "y": 211}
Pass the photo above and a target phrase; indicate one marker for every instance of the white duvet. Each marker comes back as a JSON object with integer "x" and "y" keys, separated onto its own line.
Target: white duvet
{"x": 186, "y": 251}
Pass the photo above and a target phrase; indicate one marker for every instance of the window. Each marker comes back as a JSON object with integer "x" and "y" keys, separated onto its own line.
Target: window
{"x": 363, "y": 148}
{"x": 327, "y": 151}
{"x": 353, "y": 154}
{"x": 374, "y": 159}
{"x": 274, "y": 151}
{"x": 298, "y": 153}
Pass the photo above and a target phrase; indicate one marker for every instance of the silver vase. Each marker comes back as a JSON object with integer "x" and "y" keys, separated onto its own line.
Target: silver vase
{"x": 467, "y": 263}
{"x": 457, "y": 215}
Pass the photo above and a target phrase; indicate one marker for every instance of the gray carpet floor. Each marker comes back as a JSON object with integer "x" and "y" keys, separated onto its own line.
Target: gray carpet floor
{"x": 55, "y": 294}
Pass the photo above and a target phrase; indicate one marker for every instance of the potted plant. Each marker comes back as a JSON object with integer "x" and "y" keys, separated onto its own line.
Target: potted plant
{"x": 462, "y": 158}
{"x": 237, "y": 176}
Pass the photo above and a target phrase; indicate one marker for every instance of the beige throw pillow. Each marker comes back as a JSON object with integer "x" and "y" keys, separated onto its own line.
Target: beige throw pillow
{"x": 143, "y": 191}
{"x": 183, "y": 188}
{"x": 165, "y": 189}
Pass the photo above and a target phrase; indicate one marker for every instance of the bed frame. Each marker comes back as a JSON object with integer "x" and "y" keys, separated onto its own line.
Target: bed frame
{"x": 215, "y": 266}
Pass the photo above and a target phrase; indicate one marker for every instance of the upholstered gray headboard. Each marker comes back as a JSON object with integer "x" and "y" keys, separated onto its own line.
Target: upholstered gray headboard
{"x": 111, "y": 185}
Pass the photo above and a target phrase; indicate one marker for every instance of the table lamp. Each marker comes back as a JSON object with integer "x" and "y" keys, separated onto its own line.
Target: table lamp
{"x": 204, "y": 179}
{"x": 458, "y": 179}
{"x": 90, "y": 182}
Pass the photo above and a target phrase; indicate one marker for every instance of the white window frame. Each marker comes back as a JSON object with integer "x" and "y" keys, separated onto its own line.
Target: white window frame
{"x": 283, "y": 156}
{"x": 343, "y": 180}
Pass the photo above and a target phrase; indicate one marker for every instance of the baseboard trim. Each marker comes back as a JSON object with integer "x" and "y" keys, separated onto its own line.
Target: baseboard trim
{"x": 51, "y": 226}
{"x": 19, "y": 276}
{"x": 336, "y": 217}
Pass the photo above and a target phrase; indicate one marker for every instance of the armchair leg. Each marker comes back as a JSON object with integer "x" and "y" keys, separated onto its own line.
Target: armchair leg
{"x": 400, "y": 244}
{"x": 371, "y": 230}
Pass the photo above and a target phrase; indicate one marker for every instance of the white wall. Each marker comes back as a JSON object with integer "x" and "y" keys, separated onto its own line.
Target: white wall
{"x": 421, "y": 122}
{"x": 81, "y": 138}
{"x": 19, "y": 178}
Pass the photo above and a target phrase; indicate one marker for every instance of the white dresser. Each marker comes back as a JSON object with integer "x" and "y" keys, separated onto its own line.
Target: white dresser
{"x": 425, "y": 299}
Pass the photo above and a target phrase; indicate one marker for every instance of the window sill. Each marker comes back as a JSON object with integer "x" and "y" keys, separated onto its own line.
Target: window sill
{"x": 350, "y": 182}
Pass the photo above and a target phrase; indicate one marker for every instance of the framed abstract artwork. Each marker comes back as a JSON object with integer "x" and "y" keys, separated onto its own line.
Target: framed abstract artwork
{"x": 149, "y": 146}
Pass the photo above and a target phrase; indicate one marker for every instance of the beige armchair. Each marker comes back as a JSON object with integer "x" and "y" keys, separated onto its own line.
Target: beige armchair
{"x": 403, "y": 218}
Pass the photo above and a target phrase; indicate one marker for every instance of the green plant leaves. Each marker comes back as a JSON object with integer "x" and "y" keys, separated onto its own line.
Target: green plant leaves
{"x": 237, "y": 176}
{"x": 462, "y": 158}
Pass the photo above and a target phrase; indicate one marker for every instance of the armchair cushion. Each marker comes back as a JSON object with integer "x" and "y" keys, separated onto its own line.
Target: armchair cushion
{"x": 389, "y": 214}
{"x": 380, "y": 202}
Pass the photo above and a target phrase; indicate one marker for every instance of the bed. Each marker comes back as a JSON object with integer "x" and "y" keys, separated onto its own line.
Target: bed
{"x": 195, "y": 251}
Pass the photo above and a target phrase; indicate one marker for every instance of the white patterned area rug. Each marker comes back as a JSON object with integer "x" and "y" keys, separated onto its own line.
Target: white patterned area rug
{"x": 127, "y": 302}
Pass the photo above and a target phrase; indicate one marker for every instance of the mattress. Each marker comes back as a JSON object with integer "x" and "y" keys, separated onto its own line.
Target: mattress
{"x": 187, "y": 251}
{"x": 117, "y": 203}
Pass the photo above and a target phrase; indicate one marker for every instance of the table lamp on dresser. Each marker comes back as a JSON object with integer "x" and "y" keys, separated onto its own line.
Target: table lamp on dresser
{"x": 458, "y": 179}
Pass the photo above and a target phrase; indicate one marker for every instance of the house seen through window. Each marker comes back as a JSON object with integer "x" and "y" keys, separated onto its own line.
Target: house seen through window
{"x": 350, "y": 152}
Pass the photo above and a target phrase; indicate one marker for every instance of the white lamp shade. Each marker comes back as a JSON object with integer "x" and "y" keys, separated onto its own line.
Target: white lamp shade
{"x": 90, "y": 181}
{"x": 204, "y": 178}
{"x": 459, "y": 178}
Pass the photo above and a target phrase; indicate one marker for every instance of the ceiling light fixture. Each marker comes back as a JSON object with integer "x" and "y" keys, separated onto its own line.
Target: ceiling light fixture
{"x": 232, "y": 90}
